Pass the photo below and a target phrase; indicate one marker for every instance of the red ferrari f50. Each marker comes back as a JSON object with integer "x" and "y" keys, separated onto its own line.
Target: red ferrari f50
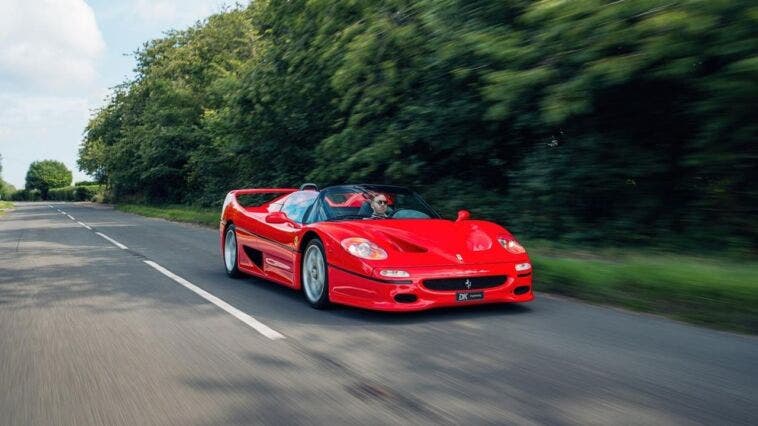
{"x": 332, "y": 245}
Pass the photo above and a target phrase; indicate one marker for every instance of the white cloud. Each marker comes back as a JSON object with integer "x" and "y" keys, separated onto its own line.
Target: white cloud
{"x": 36, "y": 128}
{"x": 49, "y": 44}
{"x": 54, "y": 67}
{"x": 41, "y": 111}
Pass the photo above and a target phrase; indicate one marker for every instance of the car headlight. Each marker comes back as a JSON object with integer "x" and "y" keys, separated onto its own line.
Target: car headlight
{"x": 511, "y": 245}
{"x": 363, "y": 248}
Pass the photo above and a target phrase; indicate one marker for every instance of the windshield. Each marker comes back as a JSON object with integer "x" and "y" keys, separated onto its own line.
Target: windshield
{"x": 355, "y": 202}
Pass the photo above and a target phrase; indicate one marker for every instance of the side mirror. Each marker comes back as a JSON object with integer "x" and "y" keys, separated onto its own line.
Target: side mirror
{"x": 463, "y": 215}
{"x": 281, "y": 217}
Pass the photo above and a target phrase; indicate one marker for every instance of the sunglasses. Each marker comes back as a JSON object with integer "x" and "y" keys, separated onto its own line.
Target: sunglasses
{"x": 381, "y": 201}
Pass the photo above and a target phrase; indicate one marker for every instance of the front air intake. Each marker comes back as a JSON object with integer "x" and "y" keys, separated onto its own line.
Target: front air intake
{"x": 465, "y": 283}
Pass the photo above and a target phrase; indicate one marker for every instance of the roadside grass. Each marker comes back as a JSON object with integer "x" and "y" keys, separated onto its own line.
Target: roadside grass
{"x": 175, "y": 212}
{"x": 715, "y": 290}
{"x": 718, "y": 293}
{"x": 5, "y": 205}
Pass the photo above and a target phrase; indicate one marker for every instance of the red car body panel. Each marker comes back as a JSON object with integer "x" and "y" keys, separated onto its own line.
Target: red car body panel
{"x": 428, "y": 249}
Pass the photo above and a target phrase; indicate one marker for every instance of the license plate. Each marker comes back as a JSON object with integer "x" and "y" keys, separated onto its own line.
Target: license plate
{"x": 465, "y": 297}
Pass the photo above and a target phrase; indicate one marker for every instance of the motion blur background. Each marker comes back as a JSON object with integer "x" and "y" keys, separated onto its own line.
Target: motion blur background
{"x": 580, "y": 125}
{"x": 623, "y": 121}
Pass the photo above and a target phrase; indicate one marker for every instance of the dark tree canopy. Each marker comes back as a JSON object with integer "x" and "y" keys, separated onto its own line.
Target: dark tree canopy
{"x": 593, "y": 121}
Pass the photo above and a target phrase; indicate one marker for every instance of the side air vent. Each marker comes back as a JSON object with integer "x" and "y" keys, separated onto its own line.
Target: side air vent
{"x": 255, "y": 255}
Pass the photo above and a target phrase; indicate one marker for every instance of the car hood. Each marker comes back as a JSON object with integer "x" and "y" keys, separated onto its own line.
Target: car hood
{"x": 429, "y": 242}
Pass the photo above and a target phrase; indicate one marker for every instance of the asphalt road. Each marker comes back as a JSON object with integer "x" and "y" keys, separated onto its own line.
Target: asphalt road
{"x": 92, "y": 334}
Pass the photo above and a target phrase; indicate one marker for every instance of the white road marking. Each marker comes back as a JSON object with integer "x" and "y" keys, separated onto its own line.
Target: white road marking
{"x": 62, "y": 212}
{"x": 84, "y": 225}
{"x": 50, "y": 206}
{"x": 70, "y": 217}
{"x": 247, "y": 319}
{"x": 115, "y": 243}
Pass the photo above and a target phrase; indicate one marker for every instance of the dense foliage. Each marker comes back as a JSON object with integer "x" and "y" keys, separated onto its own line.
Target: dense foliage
{"x": 6, "y": 189}
{"x": 26, "y": 195}
{"x": 596, "y": 121}
{"x": 47, "y": 174}
{"x": 75, "y": 193}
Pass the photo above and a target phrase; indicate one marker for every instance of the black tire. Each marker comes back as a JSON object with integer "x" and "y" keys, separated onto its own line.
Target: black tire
{"x": 231, "y": 257}
{"x": 314, "y": 275}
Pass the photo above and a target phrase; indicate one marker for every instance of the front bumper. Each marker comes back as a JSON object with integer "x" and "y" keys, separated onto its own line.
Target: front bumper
{"x": 410, "y": 294}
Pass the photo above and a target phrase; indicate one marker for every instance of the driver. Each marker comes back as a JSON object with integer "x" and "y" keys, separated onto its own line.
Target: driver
{"x": 379, "y": 207}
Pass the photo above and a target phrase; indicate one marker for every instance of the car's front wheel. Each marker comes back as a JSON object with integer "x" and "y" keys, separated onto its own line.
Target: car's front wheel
{"x": 314, "y": 275}
{"x": 230, "y": 253}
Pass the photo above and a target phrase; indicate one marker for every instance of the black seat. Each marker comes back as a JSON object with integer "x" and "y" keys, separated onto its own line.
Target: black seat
{"x": 366, "y": 209}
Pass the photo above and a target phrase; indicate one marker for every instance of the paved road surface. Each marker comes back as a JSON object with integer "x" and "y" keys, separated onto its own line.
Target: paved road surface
{"x": 92, "y": 334}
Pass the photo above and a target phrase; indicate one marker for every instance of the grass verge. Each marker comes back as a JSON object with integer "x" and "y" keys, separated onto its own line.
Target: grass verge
{"x": 5, "y": 205}
{"x": 718, "y": 293}
{"x": 175, "y": 212}
{"x": 714, "y": 291}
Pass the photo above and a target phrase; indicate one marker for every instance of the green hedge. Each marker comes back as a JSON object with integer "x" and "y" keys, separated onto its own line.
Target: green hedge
{"x": 76, "y": 193}
{"x": 6, "y": 190}
{"x": 61, "y": 194}
{"x": 26, "y": 195}
{"x": 69, "y": 193}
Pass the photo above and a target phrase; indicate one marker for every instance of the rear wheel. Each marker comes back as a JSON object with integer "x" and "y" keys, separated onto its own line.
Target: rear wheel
{"x": 230, "y": 253}
{"x": 314, "y": 275}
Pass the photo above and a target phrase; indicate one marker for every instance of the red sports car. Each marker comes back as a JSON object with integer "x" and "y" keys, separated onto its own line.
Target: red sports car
{"x": 377, "y": 247}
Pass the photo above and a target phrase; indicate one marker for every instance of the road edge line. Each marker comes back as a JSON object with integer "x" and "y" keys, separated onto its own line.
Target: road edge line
{"x": 247, "y": 319}
{"x": 115, "y": 243}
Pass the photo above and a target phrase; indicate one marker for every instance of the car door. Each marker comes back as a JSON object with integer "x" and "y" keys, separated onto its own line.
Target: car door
{"x": 279, "y": 246}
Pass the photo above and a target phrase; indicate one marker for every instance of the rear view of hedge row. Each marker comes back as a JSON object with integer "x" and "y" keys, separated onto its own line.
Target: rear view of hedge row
{"x": 26, "y": 195}
{"x": 76, "y": 193}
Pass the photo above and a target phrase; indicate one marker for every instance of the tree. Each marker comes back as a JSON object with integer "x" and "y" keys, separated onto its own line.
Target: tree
{"x": 6, "y": 189}
{"x": 588, "y": 121}
{"x": 47, "y": 174}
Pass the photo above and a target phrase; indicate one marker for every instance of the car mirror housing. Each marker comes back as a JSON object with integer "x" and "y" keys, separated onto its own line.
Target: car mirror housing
{"x": 281, "y": 217}
{"x": 463, "y": 215}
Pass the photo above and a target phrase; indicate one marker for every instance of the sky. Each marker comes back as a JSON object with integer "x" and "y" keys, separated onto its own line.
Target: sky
{"x": 58, "y": 61}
